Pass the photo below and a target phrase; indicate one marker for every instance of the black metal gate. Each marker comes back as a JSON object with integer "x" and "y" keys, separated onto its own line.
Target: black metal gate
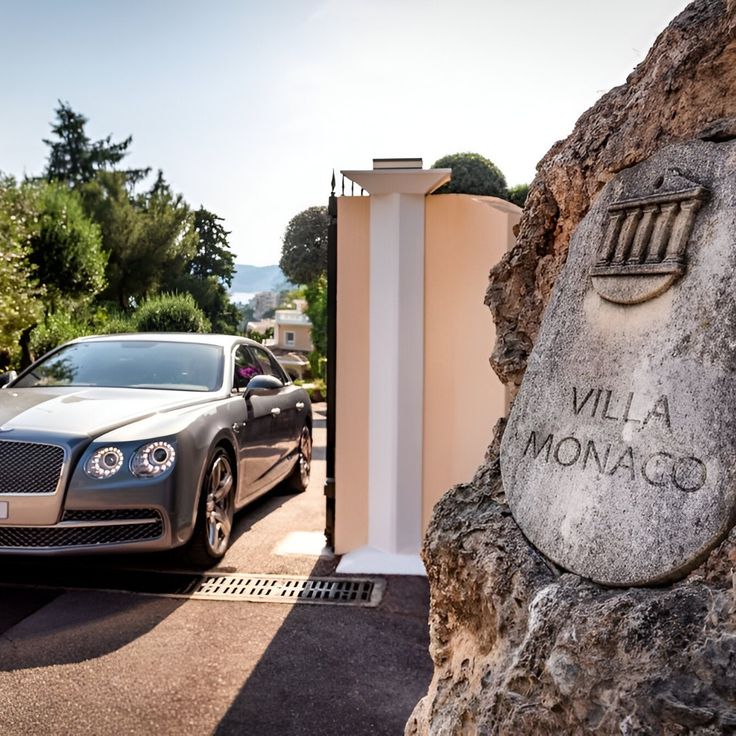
{"x": 331, "y": 365}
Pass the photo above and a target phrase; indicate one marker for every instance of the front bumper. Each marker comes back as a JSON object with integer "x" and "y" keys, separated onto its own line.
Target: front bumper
{"x": 108, "y": 530}
{"x": 83, "y": 515}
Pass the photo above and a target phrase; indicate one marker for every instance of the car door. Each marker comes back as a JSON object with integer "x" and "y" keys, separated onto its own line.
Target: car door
{"x": 258, "y": 442}
{"x": 283, "y": 406}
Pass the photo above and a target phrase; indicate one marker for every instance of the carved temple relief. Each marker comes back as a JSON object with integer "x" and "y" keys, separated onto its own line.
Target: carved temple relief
{"x": 644, "y": 246}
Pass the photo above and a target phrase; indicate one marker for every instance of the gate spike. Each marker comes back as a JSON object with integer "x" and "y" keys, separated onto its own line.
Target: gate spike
{"x": 332, "y": 193}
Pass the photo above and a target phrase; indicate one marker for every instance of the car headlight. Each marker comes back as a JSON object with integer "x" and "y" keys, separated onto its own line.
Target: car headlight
{"x": 104, "y": 462}
{"x": 152, "y": 459}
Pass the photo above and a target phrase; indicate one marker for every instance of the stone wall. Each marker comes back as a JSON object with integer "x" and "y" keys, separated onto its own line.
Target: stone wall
{"x": 519, "y": 645}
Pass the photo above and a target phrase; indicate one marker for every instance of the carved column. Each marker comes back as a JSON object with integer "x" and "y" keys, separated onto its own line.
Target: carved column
{"x": 643, "y": 233}
{"x": 662, "y": 230}
{"x": 628, "y": 230}
{"x": 610, "y": 240}
{"x": 681, "y": 231}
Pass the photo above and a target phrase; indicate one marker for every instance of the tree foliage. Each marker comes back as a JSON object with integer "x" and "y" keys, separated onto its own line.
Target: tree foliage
{"x": 472, "y": 174}
{"x": 54, "y": 330}
{"x": 75, "y": 159}
{"x": 316, "y": 296}
{"x": 65, "y": 247}
{"x": 518, "y": 194}
{"x": 261, "y": 337}
{"x": 304, "y": 250}
{"x": 213, "y": 256}
{"x": 212, "y": 298}
{"x": 20, "y": 293}
{"x": 148, "y": 239}
{"x": 84, "y": 250}
{"x": 304, "y": 261}
{"x": 207, "y": 273}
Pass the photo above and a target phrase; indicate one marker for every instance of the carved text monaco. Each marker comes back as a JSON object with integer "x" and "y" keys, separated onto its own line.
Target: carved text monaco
{"x": 660, "y": 468}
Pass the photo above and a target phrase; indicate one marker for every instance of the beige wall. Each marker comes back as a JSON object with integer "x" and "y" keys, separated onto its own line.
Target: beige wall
{"x": 352, "y": 385}
{"x": 463, "y": 398}
{"x": 302, "y": 337}
{"x": 464, "y": 237}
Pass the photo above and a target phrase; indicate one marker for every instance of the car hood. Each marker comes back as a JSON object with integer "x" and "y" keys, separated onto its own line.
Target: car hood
{"x": 89, "y": 411}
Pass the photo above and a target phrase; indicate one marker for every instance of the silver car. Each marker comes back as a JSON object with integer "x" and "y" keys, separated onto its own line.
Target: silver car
{"x": 146, "y": 442}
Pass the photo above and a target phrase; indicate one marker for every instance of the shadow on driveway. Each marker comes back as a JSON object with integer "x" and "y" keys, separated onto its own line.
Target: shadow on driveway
{"x": 48, "y": 631}
{"x": 334, "y": 670}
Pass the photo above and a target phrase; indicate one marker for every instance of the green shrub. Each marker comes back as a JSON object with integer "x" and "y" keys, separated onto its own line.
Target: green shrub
{"x": 317, "y": 390}
{"x": 116, "y": 325}
{"x": 53, "y": 331}
{"x": 518, "y": 194}
{"x": 317, "y": 364}
{"x": 170, "y": 313}
{"x": 472, "y": 174}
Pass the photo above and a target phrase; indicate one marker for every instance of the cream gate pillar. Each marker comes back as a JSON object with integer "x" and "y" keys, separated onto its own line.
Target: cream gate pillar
{"x": 397, "y": 189}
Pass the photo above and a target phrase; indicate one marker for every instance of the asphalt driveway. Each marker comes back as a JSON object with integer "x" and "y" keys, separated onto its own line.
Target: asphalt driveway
{"x": 79, "y": 660}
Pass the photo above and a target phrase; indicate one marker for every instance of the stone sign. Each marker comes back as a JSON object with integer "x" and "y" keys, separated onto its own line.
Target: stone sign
{"x": 619, "y": 458}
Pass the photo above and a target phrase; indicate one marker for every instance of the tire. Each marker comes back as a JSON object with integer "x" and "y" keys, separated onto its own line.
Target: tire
{"x": 298, "y": 481}
{"x": 213, "y": 528}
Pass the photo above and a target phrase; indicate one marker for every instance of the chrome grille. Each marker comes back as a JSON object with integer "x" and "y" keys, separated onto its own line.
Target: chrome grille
{"x": 24, "y": 537}
{"x": 28, "y": 467}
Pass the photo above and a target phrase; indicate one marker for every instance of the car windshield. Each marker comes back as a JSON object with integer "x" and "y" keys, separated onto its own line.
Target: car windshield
{"x": 180, "y": 366}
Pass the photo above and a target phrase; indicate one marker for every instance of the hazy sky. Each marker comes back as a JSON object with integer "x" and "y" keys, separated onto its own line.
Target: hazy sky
{"x": 248, "y": 106}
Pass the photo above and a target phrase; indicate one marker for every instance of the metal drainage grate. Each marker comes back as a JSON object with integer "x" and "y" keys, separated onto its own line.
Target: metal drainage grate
{"x": 283, "y": 589}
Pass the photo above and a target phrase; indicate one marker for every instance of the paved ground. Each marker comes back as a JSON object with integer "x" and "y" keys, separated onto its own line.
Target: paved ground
{"x": 94, "y": 662}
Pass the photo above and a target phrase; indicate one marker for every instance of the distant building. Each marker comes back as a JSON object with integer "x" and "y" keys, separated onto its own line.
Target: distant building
{"x": 264, "y": 301}
{"x": 293, "y": 329}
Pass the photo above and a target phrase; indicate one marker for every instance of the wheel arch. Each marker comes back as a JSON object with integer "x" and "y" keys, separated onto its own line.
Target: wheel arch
{"x": 221, "y": 439}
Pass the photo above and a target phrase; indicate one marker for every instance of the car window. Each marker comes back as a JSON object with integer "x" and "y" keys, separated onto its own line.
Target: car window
{"x": 246, "y": 366}
{"x": 269, "y": 366}
{"x": 145, "y": 363}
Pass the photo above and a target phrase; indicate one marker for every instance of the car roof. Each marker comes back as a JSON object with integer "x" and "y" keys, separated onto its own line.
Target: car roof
{"x": 225, "y": 341}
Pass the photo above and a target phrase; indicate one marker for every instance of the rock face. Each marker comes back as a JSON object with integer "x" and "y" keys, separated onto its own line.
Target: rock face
{"x": 520, "y": 645}
{"x": 683, "y": 89}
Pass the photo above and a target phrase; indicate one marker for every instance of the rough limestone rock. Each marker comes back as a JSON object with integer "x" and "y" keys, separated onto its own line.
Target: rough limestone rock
{"x": 685, "y": 88}
{"x": 521, "y": 646}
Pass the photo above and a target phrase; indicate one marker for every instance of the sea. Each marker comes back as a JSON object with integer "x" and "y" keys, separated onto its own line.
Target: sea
{"x": 241, "y": 297}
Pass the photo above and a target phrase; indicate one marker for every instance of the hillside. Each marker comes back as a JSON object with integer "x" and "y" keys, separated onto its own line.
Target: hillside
{"x": 257, "y": 278}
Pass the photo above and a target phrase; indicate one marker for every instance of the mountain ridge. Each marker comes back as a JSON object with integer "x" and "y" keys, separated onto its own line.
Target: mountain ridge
{"x": 253, "y": 279}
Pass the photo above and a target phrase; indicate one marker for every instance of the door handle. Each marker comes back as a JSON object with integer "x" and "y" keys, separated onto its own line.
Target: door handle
{"x": 299, "y": 405}
{"x": 275, "y": 411}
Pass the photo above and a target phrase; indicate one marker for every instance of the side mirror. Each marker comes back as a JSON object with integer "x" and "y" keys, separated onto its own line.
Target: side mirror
{"x": 6, "y": 378}
{"x": 260, "y": 385}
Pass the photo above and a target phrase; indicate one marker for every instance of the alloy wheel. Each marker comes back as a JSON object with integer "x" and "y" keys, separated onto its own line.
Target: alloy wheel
{"x": 305, "y": 456}
{"x": 219, "y": 504}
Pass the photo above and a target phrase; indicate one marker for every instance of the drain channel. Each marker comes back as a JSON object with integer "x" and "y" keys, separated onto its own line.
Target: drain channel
{"x": 283, "y": 589}
{"x": 342, "y": 591}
